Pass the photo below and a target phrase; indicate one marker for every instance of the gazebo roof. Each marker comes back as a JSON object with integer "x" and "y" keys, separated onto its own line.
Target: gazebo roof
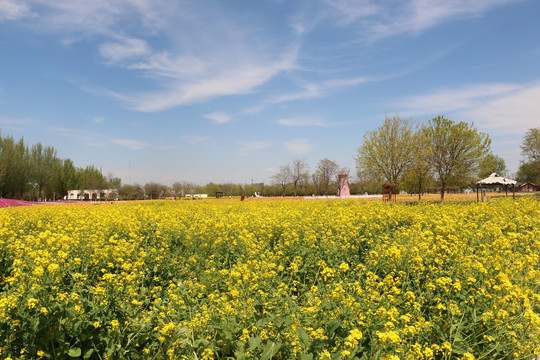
{"x": 495, "y": 179}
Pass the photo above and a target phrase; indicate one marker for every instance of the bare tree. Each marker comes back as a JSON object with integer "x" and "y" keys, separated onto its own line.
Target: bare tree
{"x": 325, "y": 173}
{"x": 283, "y": 177}
{"x": 299, "y": 173}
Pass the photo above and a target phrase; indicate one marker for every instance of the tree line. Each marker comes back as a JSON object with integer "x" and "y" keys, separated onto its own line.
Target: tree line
{"x": 35, "y": 172}
{"x": 439, "y": 155}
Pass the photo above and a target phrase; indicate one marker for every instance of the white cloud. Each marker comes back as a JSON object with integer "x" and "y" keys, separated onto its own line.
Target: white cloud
{"x": 309, "y": 90}
{"x": 218, "y": 79}
{"x": 299, "y": 146}
{"x": 378, "y": 19}
{"x": 302, "y": 122}
{"x": 124, "y": 49}
{"x": 502, "y": 108}
{"x": 250, "y": 146}
{"x": 465, "y": 97}
{"x": 13, "y": 10}
{"x": 81, "y": 136}
{"x": 515, "y": 112}
{"x": 207, "y": 50}
{"x": 194, "y": 139}
{"x": 98, "y": 119}
{"x": 218, "y": 117}
{"x": 130, "y": 144}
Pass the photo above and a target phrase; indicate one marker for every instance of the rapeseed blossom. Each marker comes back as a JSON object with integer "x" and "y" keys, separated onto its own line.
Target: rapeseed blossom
{"x": 284, "y": 279}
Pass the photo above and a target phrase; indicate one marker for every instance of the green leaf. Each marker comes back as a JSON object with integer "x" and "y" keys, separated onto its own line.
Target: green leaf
{"x": 75, "y": 352}
{"x": 254, "y": 342}
{"x": 71, "y": 312}
{"x": 306, "y": 356}
{"x": 88, "y": 354}
{"x": 270, "y": 350}
{"x": 303, "y": 337}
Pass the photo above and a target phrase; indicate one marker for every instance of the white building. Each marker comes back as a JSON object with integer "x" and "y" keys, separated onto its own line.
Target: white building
{"x": 92, "y": 194}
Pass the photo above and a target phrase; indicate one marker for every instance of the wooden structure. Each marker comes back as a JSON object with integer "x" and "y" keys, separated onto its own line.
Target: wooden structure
{"x": 492, "y": 180}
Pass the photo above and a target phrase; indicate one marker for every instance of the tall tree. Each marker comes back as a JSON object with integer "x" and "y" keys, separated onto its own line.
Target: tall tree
{"x": 65, "y": 177}
{"x": 299, "y": 173}
{"x": 14, "y": 177}
{"x": 42, "y": 161}
{"x": 531, "y": 144}
{"x": 490, "y": 164}
{"x": 389, "y": 150}
{"x": 91, "y": 178}
{"x": 153, "y": 190}
{"x": 419, "y": 175}
{"x": 325, "y": 173}
{"x": 454, "y": 149}
{"x": 529, "y": 169}
{"x": 283, "y": 177}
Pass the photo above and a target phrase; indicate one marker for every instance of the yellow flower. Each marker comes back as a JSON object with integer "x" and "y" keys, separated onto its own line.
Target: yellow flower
{"x": 31, "y": 303}
{"x": 245, "y": 335}
{"x": 207, "y": 354}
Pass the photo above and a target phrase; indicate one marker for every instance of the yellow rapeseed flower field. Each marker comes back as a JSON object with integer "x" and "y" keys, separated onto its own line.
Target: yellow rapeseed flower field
{"x": 291, "y": 279}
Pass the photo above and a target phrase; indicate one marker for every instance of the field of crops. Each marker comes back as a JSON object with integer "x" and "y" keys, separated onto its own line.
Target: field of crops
{"x": 336, "y": 279}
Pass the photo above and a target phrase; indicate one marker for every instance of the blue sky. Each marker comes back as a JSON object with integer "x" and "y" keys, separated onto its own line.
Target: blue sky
{"x": 165, "y": 91}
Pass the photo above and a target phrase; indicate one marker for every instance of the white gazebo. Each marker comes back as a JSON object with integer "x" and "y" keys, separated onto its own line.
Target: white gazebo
{"x": 494, "y": 179}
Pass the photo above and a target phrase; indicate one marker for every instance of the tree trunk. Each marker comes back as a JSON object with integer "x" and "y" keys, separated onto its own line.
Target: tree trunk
{"x": 443, "y": 188}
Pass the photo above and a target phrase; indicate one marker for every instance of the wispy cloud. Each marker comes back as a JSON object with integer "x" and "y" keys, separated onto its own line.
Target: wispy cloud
{"x": 498, "y": 106}
{"x": 218, "y": 117}
{"x": 13, "y": 10}
{"x": 304, "y": 121}
{"x": 123, "y": 49}
{"x": 378, "y": 20}
{"x": 308, "y": 90}
{"x": 299, "y": 146}
{"x": 81, "y": 136}
{"x": 98, "y": 119}
{"x": 250, "y": 146}
{"x": 206, "y": 51}
{"x": 130, "y": 144}
{"x": 195, "y": 139}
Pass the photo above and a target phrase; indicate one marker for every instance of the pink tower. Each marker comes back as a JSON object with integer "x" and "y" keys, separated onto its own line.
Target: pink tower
{"x": 343, "y": 185}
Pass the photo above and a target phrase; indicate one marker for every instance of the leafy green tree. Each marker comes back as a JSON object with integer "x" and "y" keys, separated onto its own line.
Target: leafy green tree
{"x": 14, "y": 171}
{"x": 389, "y": 150}
{"x": 91, "y": 178}
{"x": 419, "y": 176}
{"x": 490, "y": 164}
{"x": 529, "y": 170}
{"x": 65, "y": 177}
{"x": 42, "y": 164}
{"x": 131, "y": 192}
{"x": 531, "y": 145}
{"x": 455, "y": 150}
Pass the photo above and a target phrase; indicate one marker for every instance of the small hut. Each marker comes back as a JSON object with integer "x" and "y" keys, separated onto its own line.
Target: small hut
{"x": 493, "y": 180}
